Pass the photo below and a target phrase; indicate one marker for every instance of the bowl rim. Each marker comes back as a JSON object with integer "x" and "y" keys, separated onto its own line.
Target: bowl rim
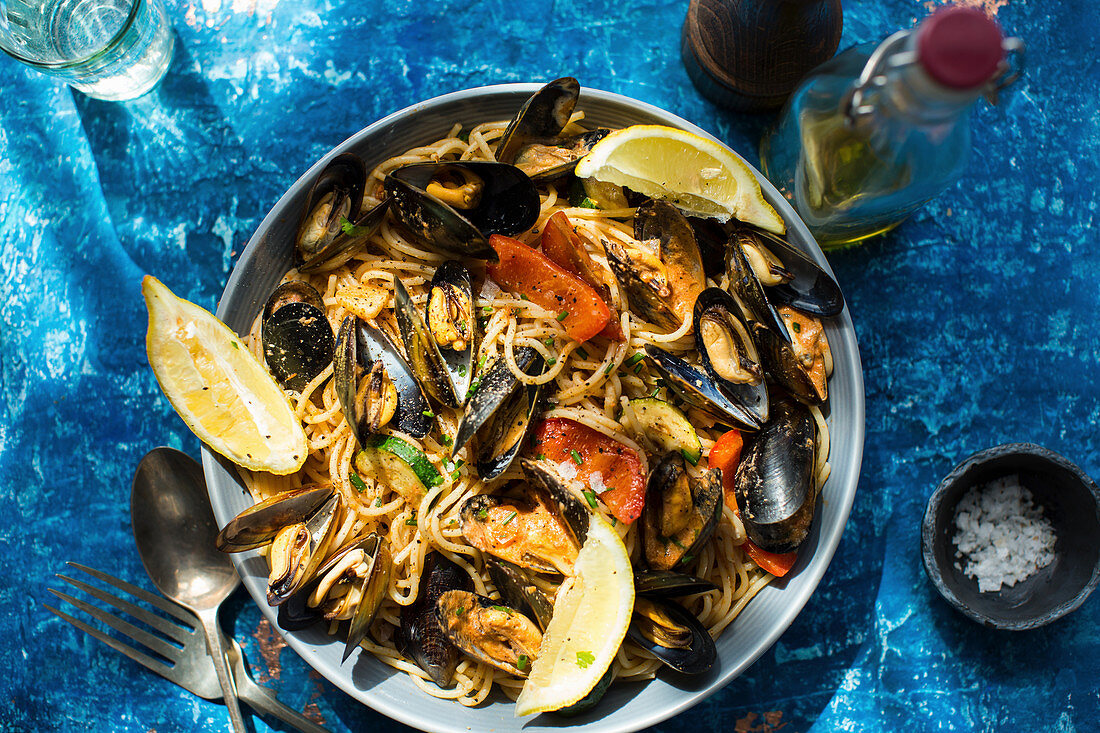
{"x": 808, "y": 577}
{"x": 928, "y": 536}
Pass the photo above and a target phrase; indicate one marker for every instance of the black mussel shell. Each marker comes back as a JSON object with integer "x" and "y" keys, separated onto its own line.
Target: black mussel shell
{"x": 544, "y": 115}
{"x": 783, "y": 366}
{"x": 509, "y": 204}
{"x": 350, "y": 239}
{"x": 496, "y": 385}
{"x": 420, "y": 637}
{"x": 680, "y": 512}
{"x": 516, "y": 589}
{"x": 752, "y": 395}
{"x": 505, "y": 434}
{"x": 697, "y": 657}
{"x": 746, "y": 286}
{"x": 257, "y": 525}
{"x": 811, "y": 290}
{"x": 297, "y": 338}
{"x": 711, "y": 237}
{"x": 775, "y": 485}
{"x": 669, "y": 584}
{"x": 696, "y": 388}
{"x": 344, "y": 177}
{"x": 358, "y": 345}
{"x": 423, "y": 353}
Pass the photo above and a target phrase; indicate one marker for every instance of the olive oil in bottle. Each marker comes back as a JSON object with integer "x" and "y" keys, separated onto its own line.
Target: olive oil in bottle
{"x": 874, "y": 133}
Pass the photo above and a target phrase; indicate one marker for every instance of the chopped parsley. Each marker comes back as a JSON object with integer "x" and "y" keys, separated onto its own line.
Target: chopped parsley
{"x": 576, "y": 456}
{"x": 351, "y": 229}
{"x": 460, "y": 610}
{"x": 551, "y": 361}
{"x": 481, "y": 362}
{"x": 582, "y": 353}
{"x": 523, "y": 296}
{"x": 588, "y": 203}
{"x": 238, "y": 346}
{"x": 410, "y": 522}
{"x": 486, "y": 309}
{"x": 686, "y": 559}
{"x": 482, "y": 513}
{"x": 462, "y": 370}
{"x": 522, "y": 662}
{"x": 502, "y": 609}
{"x": 511, "y": 516}
{"x": 445, "y": 439}
{"x": 474, "y": 384}
{"x": 693, "y": 460}
{"x": 609, "y": 368}
{"x": 357, "y": 482}
{"x": 548, "y": 342}
{"x": 428, "y": 413}
{"x": 590, "y": 496}
{"x": 634, "y": 359}
{"x": 540, "y": 457}
{"x": 796, "y": 326}
{"x": 655, "y": 391}
{"x": 562, "y": 316}
{"x": 378, "y": 502}
{"x": 584, "y": 659}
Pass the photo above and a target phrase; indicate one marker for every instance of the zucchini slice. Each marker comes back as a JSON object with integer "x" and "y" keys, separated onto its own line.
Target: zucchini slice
{"x": 399, "y": 465}
{"x": 664, "y": 424}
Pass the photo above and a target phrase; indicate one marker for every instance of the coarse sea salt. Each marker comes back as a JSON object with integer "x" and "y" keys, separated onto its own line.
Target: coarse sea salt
{"x": 1000, "y": 535}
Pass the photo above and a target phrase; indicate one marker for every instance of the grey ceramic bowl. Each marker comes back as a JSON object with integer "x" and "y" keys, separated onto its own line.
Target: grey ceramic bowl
{"x": 1070, "y": 501}
{"x": 626, "y": 707}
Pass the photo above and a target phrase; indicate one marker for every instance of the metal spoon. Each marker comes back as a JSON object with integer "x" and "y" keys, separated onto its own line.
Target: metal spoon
{"x": 174, "y": 529}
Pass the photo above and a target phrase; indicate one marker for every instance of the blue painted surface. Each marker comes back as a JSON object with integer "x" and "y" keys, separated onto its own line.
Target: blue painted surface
{"x": 976, "y": 321}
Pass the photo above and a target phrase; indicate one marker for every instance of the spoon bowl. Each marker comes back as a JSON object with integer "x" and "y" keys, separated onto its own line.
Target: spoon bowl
{"x": 174, "y": 529}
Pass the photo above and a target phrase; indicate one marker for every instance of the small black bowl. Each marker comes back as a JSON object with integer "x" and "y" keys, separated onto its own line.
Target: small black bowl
{"x": 1069, "y": 499}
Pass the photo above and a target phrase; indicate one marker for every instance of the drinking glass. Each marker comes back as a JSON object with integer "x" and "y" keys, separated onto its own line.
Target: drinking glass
{"x": 108, "y": 49}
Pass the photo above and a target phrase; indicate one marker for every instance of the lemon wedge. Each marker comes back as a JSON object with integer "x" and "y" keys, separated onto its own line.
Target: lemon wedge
{"x": 217, "y": 386}
{"x": 700, "y": 176}
{"x": 591, "y": 614}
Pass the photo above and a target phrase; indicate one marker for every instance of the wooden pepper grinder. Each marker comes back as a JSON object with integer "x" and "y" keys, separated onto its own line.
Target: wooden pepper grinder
{"x": 748, "y": 55}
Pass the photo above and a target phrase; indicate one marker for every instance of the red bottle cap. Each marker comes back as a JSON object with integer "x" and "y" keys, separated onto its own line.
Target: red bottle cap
{"x": 960, "y": 47}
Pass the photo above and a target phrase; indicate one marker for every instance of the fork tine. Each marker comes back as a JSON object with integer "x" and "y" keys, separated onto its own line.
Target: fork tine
{"x": 163, "y": 604}
{"x": 157, "y": 644}
{"x": 161, "y": 624}
{"x": 148, "y": 662}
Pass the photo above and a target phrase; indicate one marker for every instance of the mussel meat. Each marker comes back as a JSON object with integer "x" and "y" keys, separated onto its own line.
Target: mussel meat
{"x": 297, "y": 338}
{"x": 551, "y": 159}
{"x": 775, "y": 484}
{"x": 527, "y": 530}
{"x": 390, "y": 394}
{"x": 479, "y": 199}
{"x": 421, "y": 638}
{"x": 681, "y": 512}
{"x": 489, "y": 631}
{"x": 662, "y": 273}
{"x": 728, "y": 353}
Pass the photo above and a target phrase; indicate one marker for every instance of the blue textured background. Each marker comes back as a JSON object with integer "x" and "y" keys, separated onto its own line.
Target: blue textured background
{"x": 976, "y": 321}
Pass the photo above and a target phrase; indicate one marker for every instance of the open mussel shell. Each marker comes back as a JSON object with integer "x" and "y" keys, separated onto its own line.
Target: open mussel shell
{"x": 784, "y": 366}
{"x": 423, "y": 353}
{"x": 516, "y": 589}
{"x": 420, "y": 637}
{"x": 728, "y": 354}
{"x": 489, "y": 631}
{"x": 353, "y": 235}
{"x": 503, "y": 200}
{"x": 575, "y": 511}
{"x": 333, "y": 202}
{"x": 257, "y": 525}
{"x": 744, "y": 283}
{"x": 669, "y": 584}
{"x": 810, "y": 288}
{"x": 504, "y": 434}
{"x": 673, "y": 635}
{"x": 297, "y": 338}
{"x": 695, "y": 387}
{"x": 549, "y": 160}
{"x": 680, "y": 514}
{"x": 544, "y": 115}
{"x": 663, "y": 274}
{"x": 292, "y": 569}
{"x": 530, "y": 527}
{"x": 775, "y": 485}
{"x": 453, "y": 323}
{"x": 497, "y": 385}
{"x": 358, "y": 346}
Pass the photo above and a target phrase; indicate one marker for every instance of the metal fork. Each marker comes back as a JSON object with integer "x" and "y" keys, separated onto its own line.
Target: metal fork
{"x": 188, "y": 665}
